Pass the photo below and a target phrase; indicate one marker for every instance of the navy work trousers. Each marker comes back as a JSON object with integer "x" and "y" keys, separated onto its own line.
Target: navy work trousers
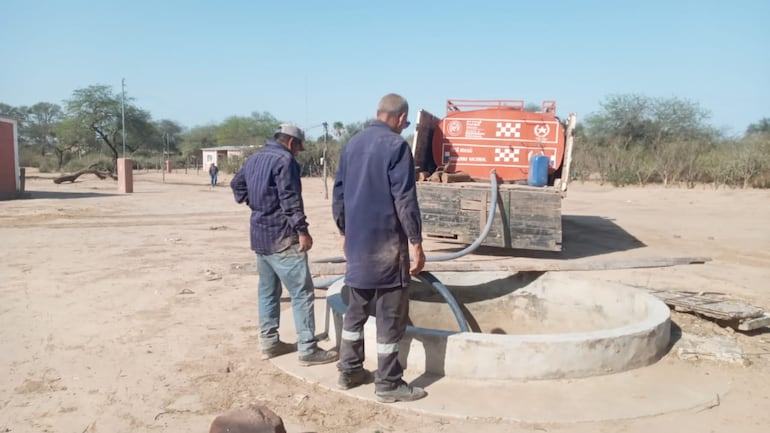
{"x": 391, "y": 310}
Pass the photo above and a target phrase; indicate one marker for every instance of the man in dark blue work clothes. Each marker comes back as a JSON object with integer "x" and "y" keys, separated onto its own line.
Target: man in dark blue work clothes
{"x": 376, "y": 211}
{"x": 269, "y": 183}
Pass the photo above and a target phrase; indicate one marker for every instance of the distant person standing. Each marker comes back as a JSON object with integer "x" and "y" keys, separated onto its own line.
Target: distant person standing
{"x": 376, "y": 211}
{"x": 213, "y": 171}
{"x": 269, "y": 183}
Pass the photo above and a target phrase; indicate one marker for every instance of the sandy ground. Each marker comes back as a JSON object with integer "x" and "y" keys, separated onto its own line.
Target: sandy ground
{"x": 122, "y": 313}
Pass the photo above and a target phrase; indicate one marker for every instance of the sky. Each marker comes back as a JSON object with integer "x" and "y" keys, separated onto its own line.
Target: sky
{"x": 309, "y": 62}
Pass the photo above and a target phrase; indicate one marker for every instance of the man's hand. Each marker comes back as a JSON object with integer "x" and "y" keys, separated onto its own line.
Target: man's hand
{"x": 305, "y": 242}
{"x": 418, "y": 259}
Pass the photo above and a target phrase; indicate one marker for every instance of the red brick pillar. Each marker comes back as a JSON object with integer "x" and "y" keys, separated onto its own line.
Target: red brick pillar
{"x": 125, "y": 175}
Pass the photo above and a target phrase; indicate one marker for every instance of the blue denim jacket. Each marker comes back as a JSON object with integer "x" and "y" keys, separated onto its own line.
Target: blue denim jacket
{"x": 269, "y": 183}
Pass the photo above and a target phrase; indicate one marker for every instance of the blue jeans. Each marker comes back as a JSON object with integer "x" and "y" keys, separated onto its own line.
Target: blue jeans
{"x": 213, "y": 180}
{"x": 289, "y": 267}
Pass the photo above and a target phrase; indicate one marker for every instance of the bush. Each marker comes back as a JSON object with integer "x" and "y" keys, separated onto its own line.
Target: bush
{"x": 231, "y": 165}
{"x": 30, "y": 157}
{"x": 47, "y": 165}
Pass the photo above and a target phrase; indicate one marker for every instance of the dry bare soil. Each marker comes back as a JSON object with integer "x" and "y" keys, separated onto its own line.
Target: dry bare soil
{"x": 135, "y": 312}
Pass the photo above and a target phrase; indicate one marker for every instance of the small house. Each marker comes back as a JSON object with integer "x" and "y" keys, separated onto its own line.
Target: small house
{"x": 10, "y": 173}
{"x": 216, "y": 155}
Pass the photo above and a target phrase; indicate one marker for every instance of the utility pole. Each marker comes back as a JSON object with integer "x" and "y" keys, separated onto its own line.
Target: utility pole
{"x": 123, "y": 113}
{"x": 326, "y": 147}
{"x": 163, "y": 157}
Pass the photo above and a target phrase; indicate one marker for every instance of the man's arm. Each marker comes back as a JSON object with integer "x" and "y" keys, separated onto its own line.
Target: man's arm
{"x": 418, "y": 259}
{"x": 338, "y": 196}
{"x": 290, "y": 195}
{"x": 240, "y": 190}
{"x": 404, "y": 192}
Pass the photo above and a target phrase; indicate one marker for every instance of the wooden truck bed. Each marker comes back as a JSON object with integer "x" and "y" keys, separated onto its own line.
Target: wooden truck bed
{"x": 526, "y": 217}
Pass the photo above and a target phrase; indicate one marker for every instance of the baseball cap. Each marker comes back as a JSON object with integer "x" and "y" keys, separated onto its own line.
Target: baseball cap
{"x": 291, "y": 130}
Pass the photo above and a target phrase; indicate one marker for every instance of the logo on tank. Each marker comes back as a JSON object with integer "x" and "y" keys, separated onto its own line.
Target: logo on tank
{"x": 455, "y": 128}
{"x": 541, "y": 130}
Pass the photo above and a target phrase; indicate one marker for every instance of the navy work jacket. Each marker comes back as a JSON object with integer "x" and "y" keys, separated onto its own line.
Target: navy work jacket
{"x": 375, "y": 207}
{"x": 269, "y": 183}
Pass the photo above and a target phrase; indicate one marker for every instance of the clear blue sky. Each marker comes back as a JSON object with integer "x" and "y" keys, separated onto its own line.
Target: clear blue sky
{"x": 198, "y": 62}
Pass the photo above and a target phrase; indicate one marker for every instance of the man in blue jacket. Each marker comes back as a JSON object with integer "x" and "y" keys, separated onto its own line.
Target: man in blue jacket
{"x": 376, "y": 211}
{"x": 269, "y": 183}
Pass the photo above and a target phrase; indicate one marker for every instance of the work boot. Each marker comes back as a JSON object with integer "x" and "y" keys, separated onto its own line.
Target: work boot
{"x": 402, "y": 392}
{"x": 277, "y": 349}
{"x": 354, "y": 378}
{"x": 318, "y": 357}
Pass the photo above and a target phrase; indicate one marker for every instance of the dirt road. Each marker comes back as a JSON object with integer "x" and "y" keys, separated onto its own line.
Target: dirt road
{"x": 123, "y": 313}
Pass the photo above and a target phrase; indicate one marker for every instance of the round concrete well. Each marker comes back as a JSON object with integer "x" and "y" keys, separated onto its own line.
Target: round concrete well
{"x": 526, "y": 326}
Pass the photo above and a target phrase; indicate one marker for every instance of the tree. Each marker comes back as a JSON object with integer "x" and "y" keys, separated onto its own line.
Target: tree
{"x": 761, "y": 127}
{"x": 621, "y": 120}
{"x": 266, "y": 125}
{"x": 97, "y": 109}
{"x": 7, "y": 110}
{"x": 41, "y": 119}
{"x": 352, "y": 129}
{"x": 247, "y": 131}
{"x": 20, "y": 115}
{"x": 198, "y": 138}
{"x": 237, "y": 131}
{"x": 641, "y": 139}
{"x": 676, "y": 127}
{"x": 71, "y": 137}
{"x": 750, "y": 158}
{"x": 610, "y": 136}
{"x": 170, "y": 132}
{"x": 338, "y": 127}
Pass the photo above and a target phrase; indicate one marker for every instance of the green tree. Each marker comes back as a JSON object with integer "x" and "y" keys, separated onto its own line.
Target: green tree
{"x": 676, "y": 129}
{"x": 41, "y": 119}
{"x": 97, "y": 109}
{"x": 760, "y": 127}
{"x": 266, "y": 125}
{"x": 71, "y": 137}
{"x": 352, "y": 129}
{"x": 640, "y": 139}
{"x": 196, "y": 139}
{"x": 20, "y": 115}
{"x": 171, "y": 132}
{"x": 247, "y": 131}
{"x": 237, "y": 131}
{"x": 6, "y": 110}
{"x": 750, "y": 158}
{"x": 338, "y": 127}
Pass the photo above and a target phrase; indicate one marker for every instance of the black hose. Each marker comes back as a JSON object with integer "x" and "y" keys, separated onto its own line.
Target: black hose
{"x": 428, "y": 278}
{"x": 483, "y": 235}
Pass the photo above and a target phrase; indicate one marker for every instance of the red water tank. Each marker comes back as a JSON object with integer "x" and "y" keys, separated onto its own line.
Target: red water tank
{"x": 477, "y": 136}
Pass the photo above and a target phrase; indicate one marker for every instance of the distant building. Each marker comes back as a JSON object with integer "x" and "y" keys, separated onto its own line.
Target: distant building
{"x": 215, "y": 155}
{"x": 10, "y": 173}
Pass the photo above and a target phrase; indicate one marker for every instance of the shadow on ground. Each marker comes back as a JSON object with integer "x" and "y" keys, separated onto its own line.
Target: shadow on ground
{"x": 582, "y": 236}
